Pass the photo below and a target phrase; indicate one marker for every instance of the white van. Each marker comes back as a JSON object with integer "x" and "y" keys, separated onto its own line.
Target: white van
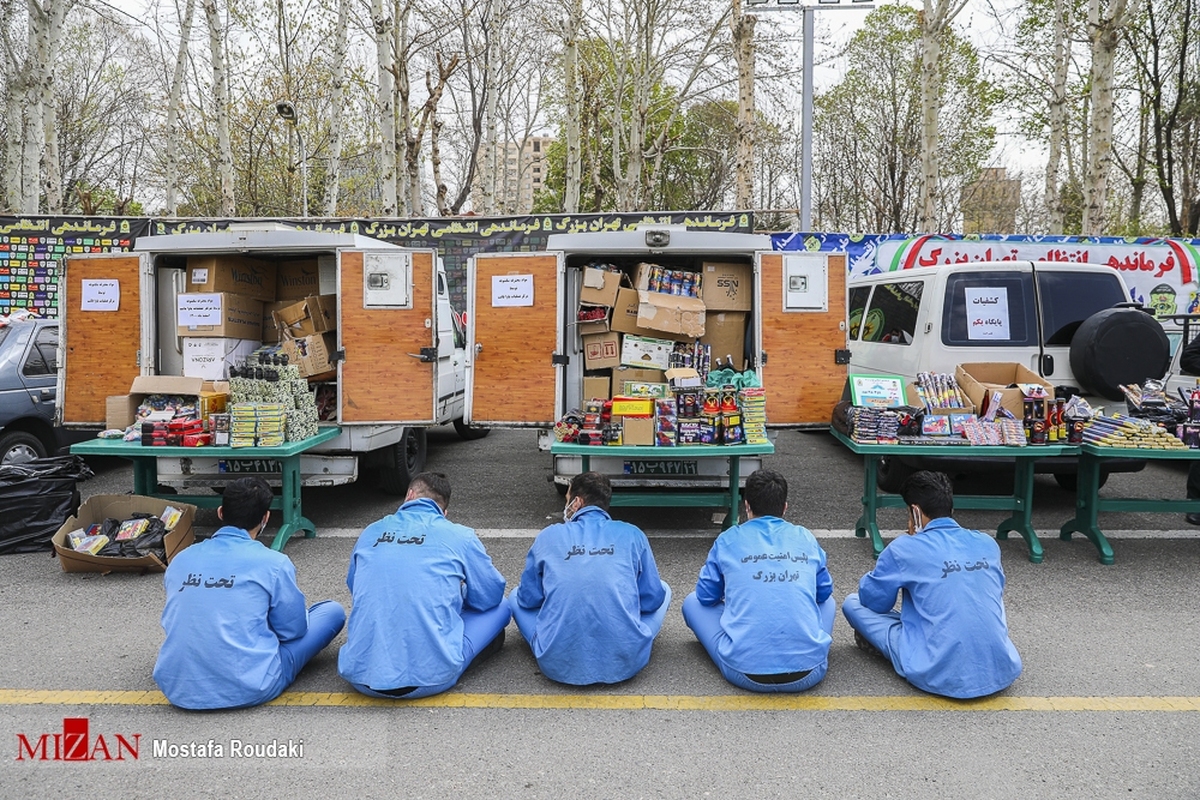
{"x": 1069, "y": 323}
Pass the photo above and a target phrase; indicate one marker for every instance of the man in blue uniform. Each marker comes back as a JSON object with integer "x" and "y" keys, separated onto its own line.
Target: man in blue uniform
{"x": 950, "y": 636}
{"x": 426, "y": 599}
{"x": 590, "y": 601}
{"x": 237, "y": 629}
{"x": 763, "y": 606}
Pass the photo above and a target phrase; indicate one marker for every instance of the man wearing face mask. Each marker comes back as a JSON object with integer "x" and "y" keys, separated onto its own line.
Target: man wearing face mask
{"x": 590, "y": 601}
{"x": 950, "y": 636}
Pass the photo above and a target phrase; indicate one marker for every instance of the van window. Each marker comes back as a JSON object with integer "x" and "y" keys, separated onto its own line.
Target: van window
{"x": 858, "y": 304}
{"x": 43, "y": 356}
{"x": 989, "y": 309}
{"x": 1068, "y": 298}
{"x": 892, "y": 313}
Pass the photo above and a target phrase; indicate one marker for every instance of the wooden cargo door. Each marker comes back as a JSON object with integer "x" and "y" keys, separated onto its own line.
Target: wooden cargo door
{"x": 802, "y": 332}
{"x": 387, "y": 335}
{"x": 101, "y": 337}
{"x": 514, "y": 336}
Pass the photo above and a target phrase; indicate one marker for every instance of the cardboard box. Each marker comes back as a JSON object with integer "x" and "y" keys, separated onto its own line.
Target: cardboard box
{"x": 316, "y": 314}
{"x": 914, "y": 399}
{"x": 596, "y": 387}
{"x": 632, "y": 407}
{"x": 684, "y": 378}
{"x": 588, "y": 327}
{"x": 220, "y": 314}
{"x": 270, "y": 332}
{"x": 296, "y": 280}
{"x": 727, "y": 287}
{"x": 624, "y": 316}
{"x": 641, "y": 351}
{"x": 601, "y": 350}
{"x": 726, "y": 332}
{"x": 622, "y": 374}
{"x": 97, "y": 508}
{"x": 210, "y": 358}
{"x": 312, "y": 354}
{"x": 641, "y": 276}
{"x": 637, "y": 430}
{"x": 645, "y": 389}
{"x": 979, "y": 379}
{"x": 236, "y": 274}
{"x": 599, "y": 287}
{"x": 211, "y": 397}
{"x": 671, "y": 313}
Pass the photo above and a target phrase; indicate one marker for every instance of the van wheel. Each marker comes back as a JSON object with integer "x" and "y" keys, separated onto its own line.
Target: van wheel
{"x": 404, "y": 459}
{"x": 1070, "y": 481}
{"x": 892, "y": 474}
{"x": 17, "y": 447}
{"x": 1118, "y": 346}
{"x": 467, "y": 433}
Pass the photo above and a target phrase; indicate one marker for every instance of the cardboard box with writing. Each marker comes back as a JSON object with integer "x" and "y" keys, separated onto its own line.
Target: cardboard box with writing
{"x": 624, "y": 317}
{"x": 219, "y": 314}
{"x": 980, "y": 379}
{"x": 296, "y": 280}
{"x": 597, "y": 387}
{"x": 99, "y": 507}
{"x": 313, "y": 354}
{"x": 270, "y": 332}
{"x": 211, "y": 397}
{"x": 599, "y": 287}
{"x": 236, "y": 274}
{"x": 210, "y": 358}
{"x": 727, "y": 287}
{"x": 725, "y": 331}
{"x": 672, "y": 314}
{"x": 637, "y": 430}
{"x": 647, "y": 353}
{"x": 316, "y": 314}
{"x": 601, "y": 350}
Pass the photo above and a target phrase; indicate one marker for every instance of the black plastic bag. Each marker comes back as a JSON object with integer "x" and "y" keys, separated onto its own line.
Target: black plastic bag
{"x": 36, "y": 497}
{"x": 149, "y": 542}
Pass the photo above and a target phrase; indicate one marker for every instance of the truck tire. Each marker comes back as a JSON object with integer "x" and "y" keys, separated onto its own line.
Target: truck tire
{"x": 467, "y": 433}
{"x": 17, "y": 447}
{"x": 892, "y": 474}
{"x": 407, "y": 458}
{"x": 1118, "y": 345}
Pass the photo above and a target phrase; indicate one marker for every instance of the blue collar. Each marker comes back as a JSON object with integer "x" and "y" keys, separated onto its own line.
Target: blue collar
{"x": 425, "y": 505}
{"x": 233, "y": 532}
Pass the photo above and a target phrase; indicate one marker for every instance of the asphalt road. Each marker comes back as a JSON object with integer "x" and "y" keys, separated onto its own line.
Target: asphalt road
{"x": 1107, "y": 649}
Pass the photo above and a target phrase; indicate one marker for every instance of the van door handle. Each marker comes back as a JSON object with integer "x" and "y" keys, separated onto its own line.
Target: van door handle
{"x": 47, "y": 394}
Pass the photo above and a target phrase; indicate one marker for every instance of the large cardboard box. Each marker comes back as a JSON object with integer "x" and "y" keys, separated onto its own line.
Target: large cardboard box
{"x": 644, "y": 352}
{"x": 979, "y": 379}
{"x": 270, "y": 332}
{"x": 210, "y": 358}
{"x": 671, "y": 313}
{"x": 237, "y": 274}
{"x": 597, "y": 387}
{"x": 637, "y": 430}
{"x": 624, "y": 317}
{"x": 312, "y": 354}
{"x": 643, "y": 375}
{"x": 316, "y": 314}
{"x": 211, "y": 397}
{"x": 601, "y": 350}
{"x": 599, "y": 287}
{"x": 725, "y": 331}
{"x": 219, "y": 314}
{"x": 97, "y": 508}
{"x": 296, "y": 280}
{"x": 727, "y": 287}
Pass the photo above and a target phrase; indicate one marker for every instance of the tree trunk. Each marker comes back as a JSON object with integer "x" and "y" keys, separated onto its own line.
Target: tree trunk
{"x": 743, "y": 48}
{"x": 384, "y": 59}
{"x": 1103, "y": 35}
{"x": 408, "y": 189}
{"x": 34, "y": 134}
{"x": 1058, "y": 120}
{"x": 221, "y": 98}
{"x": 337, "y": 90}
{"x": 934, "y": 20}
{"x": 175, "y": 109}
{"x": 574, "y": 170}
{"x": 491, "y": 162}
{"x": 54, "y": 14}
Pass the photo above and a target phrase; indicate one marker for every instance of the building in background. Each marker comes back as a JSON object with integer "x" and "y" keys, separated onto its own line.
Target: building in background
{"x": 522, "y": 171}
{"x": 989, "y": 205}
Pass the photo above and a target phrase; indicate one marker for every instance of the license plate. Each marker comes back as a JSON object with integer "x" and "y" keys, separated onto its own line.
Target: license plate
{"x": 663, "y": 467}
{"x": 250, "y": 465}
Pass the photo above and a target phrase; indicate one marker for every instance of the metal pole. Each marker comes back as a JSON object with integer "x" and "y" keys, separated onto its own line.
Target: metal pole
{"x": 303, "y": 176}
{"x": 806, "y": 115}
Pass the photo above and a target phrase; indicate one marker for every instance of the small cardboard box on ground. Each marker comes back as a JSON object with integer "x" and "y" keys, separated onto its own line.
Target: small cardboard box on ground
{"x": 312, "y": 354}
{"x": 646, "y": 353}
{"x": 296, "y": 280}
{"x": 236, "y": 274}
{"x": 211, "y": 396}
{"x": 725, "y": 331}
{"x": 727, "y": 287}
{"x": 219, "y": 314}
{"x": 601, "y": 350}
{"x": 978, "y": 380}
{"x": 599, "y": 287}
{"x": 99, "y": 507}
{"x": 210, "y": 359}
{"x": 671, "y": 313}
{"x": 315, "y": 314}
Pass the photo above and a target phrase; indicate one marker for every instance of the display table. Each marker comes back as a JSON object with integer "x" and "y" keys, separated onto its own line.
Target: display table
{"x": 1020, "y": 502}
{"x": 1089, "y": 503}
{"x": 729, "y": 499}
{"x": 145, "y": 473}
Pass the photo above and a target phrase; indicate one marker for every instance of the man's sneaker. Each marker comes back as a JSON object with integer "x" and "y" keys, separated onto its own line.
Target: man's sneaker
{"x": 861, "y": 642}
{"x": 1193, "y": 518}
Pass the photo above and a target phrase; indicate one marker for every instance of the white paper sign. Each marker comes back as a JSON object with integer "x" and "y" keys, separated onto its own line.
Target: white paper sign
{"x": 199, "y": 309}
{"x": 200, "y": 275}
{"x": 101, "y": 296}
{"x": 512, "y": 290}
{"x": 987, "y": 313}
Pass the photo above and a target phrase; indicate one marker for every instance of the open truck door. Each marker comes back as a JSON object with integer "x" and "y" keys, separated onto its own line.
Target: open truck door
{"x": 514, "y": 339}
{"x": 802, "y": 335}
{"x": 387, "y": 337}
{"x": 102, "y": 344}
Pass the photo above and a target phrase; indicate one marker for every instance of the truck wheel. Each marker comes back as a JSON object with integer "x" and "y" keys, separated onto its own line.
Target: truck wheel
{"x": 1118, "y": 345}
{"x": 467, "y": 433}
{"x": 1070, "y": 481}
{"x": 17, "y": 447}
{"x": 407, "y": 458}
{"x": 892, "y": 473}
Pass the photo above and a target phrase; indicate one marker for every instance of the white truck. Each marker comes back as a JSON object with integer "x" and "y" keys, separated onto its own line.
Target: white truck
{"x": 526, "y": 360}
{"x": 400, "y": 354}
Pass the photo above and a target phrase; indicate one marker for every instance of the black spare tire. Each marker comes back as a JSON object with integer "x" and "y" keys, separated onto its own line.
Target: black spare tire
{"x": 1116, "y": 346}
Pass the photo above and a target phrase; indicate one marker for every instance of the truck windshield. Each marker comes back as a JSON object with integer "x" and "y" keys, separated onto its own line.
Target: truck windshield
{"x": 1068, "y": 298}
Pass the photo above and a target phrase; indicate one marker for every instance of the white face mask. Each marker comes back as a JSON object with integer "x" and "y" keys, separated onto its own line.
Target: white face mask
{"x": 567, "y": 512}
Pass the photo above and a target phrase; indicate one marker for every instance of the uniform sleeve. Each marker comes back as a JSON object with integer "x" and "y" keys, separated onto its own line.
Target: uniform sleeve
{"x": 710, "y": 586}
{"x": 288, "y": 615}
{"x": 650, "y": 587}
{"x": 485, "y": 584}
{"x": 1189, "y": 359}
{"x": 824, "y": 579}
{"x": 530, "y": 593}
{"x": 877, "y": 589}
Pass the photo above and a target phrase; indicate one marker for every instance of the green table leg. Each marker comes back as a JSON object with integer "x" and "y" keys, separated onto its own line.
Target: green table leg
{"x": 145, "y": 476}
{"x": 867, "y": 524}
{"x": 1021, "y": 520}
{"x": 1087, "y": 499}
{"x": 293, "y": 520}
{"x": 735, "y": 489}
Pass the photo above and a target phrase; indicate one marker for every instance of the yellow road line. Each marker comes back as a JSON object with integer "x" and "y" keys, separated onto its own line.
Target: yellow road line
{"x": 636, "y": 702}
